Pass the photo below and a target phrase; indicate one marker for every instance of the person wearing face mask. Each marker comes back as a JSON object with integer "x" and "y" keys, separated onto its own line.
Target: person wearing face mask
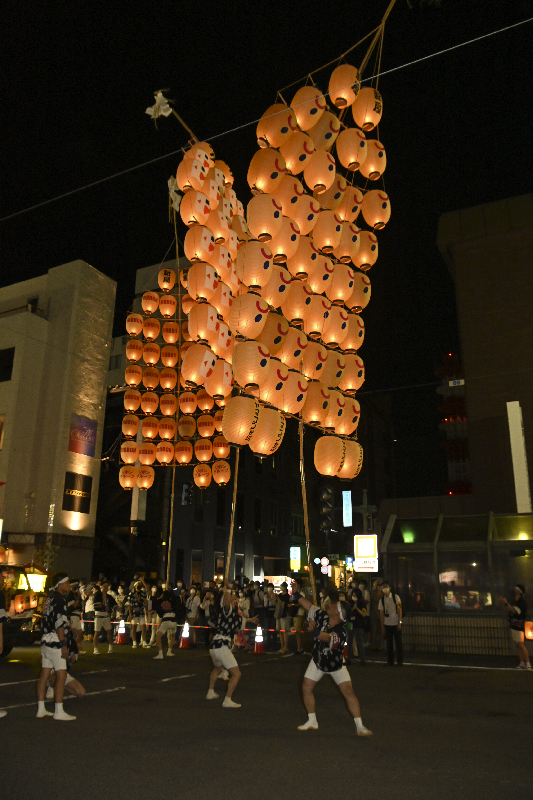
{"x": 323, "y": 597}
{"x": 328, "y": 630}
{"x": 152, "y": 617}
{"x": 517, "y": 613}
{"x": 390, "y": 611}
{"x": 283, "y": 621}
{"x": 242, "y": 638}
{"x": 192, "y": 606}
{"x": 270, "y": 620}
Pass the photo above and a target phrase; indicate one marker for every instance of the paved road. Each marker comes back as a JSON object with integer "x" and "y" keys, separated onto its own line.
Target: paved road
{"x": 146, "y": 730}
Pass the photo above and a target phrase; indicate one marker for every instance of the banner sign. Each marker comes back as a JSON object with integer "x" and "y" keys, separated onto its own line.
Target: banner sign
{"x": 77, "y": 492}
{"x": 365, "y": 552}
{"x": 82, "y": 437}
{"x": 347, "y": 509}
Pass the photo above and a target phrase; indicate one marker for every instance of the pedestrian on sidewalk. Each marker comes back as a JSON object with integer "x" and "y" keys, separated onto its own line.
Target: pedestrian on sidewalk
{"x": 297, "y": 614}
{"x": 165, "y": 607}
{"x": 390, "y": 611}
{"x": 517, "y": 613}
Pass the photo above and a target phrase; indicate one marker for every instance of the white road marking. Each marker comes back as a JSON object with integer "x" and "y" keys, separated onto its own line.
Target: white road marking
{"x": 450, "y": 666}
{"x": 34, "y": 680}
{"x": 67, "y": 697}
{"x": 176, "y": 677}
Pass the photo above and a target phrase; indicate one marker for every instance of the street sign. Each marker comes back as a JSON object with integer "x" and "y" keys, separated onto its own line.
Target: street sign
{"x": 333, "y": 556}
{"x": 347, "y": 509}
{"x": 366, "y": 553}
{"x": 456, "y": 382}
{"x": 324, "y": 561}
{"x": 324, "y": 570}
{"x": 316, "y": 560}
{"x": 295, "y": 559}
{"x": 349, "y": 561}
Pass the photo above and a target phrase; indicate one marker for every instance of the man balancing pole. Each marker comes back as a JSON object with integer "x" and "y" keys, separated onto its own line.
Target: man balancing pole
{"x": 329, "y": 631}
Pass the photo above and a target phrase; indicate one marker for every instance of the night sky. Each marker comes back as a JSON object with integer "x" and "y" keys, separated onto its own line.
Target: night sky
{"x": 457, "y": 128}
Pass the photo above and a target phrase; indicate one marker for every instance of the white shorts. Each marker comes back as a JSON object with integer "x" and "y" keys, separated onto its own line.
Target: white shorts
{"x": 51, "y": 658}
{"x": 168, "y": 626}
{"x": 223, "y": 657}
{"x": 314, "y": 674}
{"x": 518, "y": 636}
{"x": 75, "y": 623}
{"x": 102, "y": 622}
{"x": 138, "y": 621}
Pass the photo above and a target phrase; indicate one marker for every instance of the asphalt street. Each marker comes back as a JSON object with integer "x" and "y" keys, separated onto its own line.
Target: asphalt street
{"x": 441, "y": 730}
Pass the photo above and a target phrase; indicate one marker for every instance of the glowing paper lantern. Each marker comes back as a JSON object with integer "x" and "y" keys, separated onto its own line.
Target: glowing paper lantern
{"x": 150, "y": 377}
{"x": 206, "y": 426}
{"x": 203, "y": 323}
{"x": 351, "y": 204}
{"x": 220, "y": 259}
{"x": 167, "y": 305}
{"x": 186, "y": 301}
{"x": 218, "y": 224}
{"x": 325, "y": 132}
{"x": 218, "y": 420}
{"x": 151, "y": 328}
{"x": 134, "y": 350}
{"x": 293, "y": 349}
{"x": 367, "y": 254}
{"x": 352, "y": 148}
{"x": 332, "y": 197}
{"x": 164, "y": 452}
{"x": 222, "y": 344}
{"x": 203, "y": 449}
{"x": 269, "y": 432}
{"x": 169, "y": 355}
{"x": 277, "y": 287}
{"x": 343, "y": 85}
{"x": 303, "y": 262}
{"x": 264, "y": 216}
{"x": 340, "y": 286}
{"x": 354, "y": 334}
{"x": 187, "y": 402}
{"x": 168, "y": 379}
{"x": 212, "y": 191}
{"x": 305, "y": 213}
{"x": 319, "y": 172}
{"x": 274, "y": 332}
{"x": 150, "y": 427}
{"x": 353, "y": 461}
{"x": 145, "y": 478}
{"x": 285, "y": 243}
{"x": 226, "y": 172}
{"x": 204, "y": 400}
{"x": 166, "y": 279}
{"x": 360, "y": 296}
{"x": 375, "y": 162}
{"x": 216, "y": 175}
{"x": 296, "y": 151}
{"x": 147, "y": 453}
{"x": 254, "y": 264}
{"x": 367, "y": 109}
{"x": 293, "y": 394}
{"x": 288, "y": 192}
{"x": 376, "y": 209}
{"x": 335, "y": 327}
{"x": 240, "y": 227}
{"x": 186, "y": 427}
{"x": 266, "y": 171}
{"x": 240, "y": 419}
{"x": 130, "y": 425}
{"x": 221, "y": 471}
{"x": 248, "y": 315}
{"x": 308, "y": 105}
{"x": 127, "y": 477}
{"x": 203, "y": 152}
{"x": 199, "y": 243}
{"x": 149, "y": 402}
{"x": 201, "y": 281}
{"x": 315, "y": 410}
{"x": 167, "y": 429}
{"x": 251, "y": 365}
{"x": 314, "y": 360}
{"x": 150, "y": 302}
{"x": 132, "y": 399}
{"x": 220, "y": 383}
{"x": 129, "y": 452}
{"x": 294, "y": 306}
{"x": 315, "y": 317}
{"x": 170, "y": 332}
{"x": 337, "y": 404}
{"x": 322, "y": 274}
{"x": 348, "y": 246}
{"x": 221, "y": 448}
{"x": 134, "y": 324}
{"x": 195, "y": 208}
{"x": 191, "y": 174}
{"x": 222, "y": 300}
{"x": 349, "y": 418}
{"x": 333, "y": 369}
{"x": 133, "y": 375}
{"x": 353, "y": 376}
{"x": 197, "y": 365}
{"x": 276, "y": 126}
{"x": 327, "y": 231}
{"x": 151, "y": 353}
{"x": 271, "y": 391}
{"x": 183, "y": 452}
{"x": 202, "y": 475}
{"x": 329, "y": 456}
{"x": 168, "y": 405}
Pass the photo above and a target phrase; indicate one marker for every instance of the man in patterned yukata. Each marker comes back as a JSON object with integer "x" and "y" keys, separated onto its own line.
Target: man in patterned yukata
{"x": 229, "y": 623}
{"x": 328, "y": 629}
{"x": 54, "y": 647}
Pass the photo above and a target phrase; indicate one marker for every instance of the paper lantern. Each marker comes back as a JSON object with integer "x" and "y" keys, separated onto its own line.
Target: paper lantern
{"x": 333, "y": 369}
{"x": 294, "y": 306}
{"x": 168, "y": 405}
{"x": 274, "y": 332}
{"x": 322, "y": 274}
{"x": 197, "y": 365}
{"x": 218, "y": 224}
{"x": 271, "y": 391}
{"x": 329, "y": 456}
{"x": 150, "y": 377}
{"x": 240, "y": 419}
{"x": 285, "y": 243}
{"x": 220, "y": 259}
{"x": 166, "y": 279}
{"x": 354, "y": 334}
{"x": 348, "y": 420}
{"x": 134, "y": 350}
{"x": 170, "y": 332}
{"x": 340, "y": 286}
{"x": 199, "y": 243}
{"x": 367, "y": 254}
{"x": 129, "y": 452}
{"x": 353, "y": 461}
{"x": 335, "y": 327}
{"x": 203, "y": 152}
{"x": 226, "y": 172}
{"x": 266, "y": 171}
{"x": 202, "y": 475}
{"x": 151, "y": 328}
{"x": 130, "y": 425}
{"x": 203, "y": 449}
{"x": 187, "y": 402}
{"x": 220, "y": 383}
{"x": 145, "y": 478}
{"x": 360, "y": 296}
{"x": 149, "y": 402}
{"x": 288, "y": 192}
{"x": 204, "y": 400}
{"x": 296, "y": 151}
{"x": 248, "y": 315}
{"x": 319, "y": 172}
{"x": 343, "y": 85}
{"x": 315, "y": 317}
{"x": 314, "y": 360}
{"x": 150, "y": 427}
{"x": 133, "y": 375}
{"x": 327, "y": 231}
{"x": 308, "y": 105}
{"x": 332, "y": 197}
{"x": 269, "y": 432}
{"x": 221, "y": 448}
{"x": 205, "y": 425}
{"x": 186, "y": 427}
{"x": 221, "y": 471}
{"x": 169, "y": 355}
{"x": 233, "y": 244}
{"x": 132, "y": 399}
{"x": 293, "y": 394}
{"x": 195, "y": 208}
{"x": 183, "y": 273}
{"x": 151, "y": 352}
{"x": 264, "y": 216}
{"x": 212, "y": 191}
{"x": 275, "y": 290}
{"x": 215, "y": 174}
{"x": 222, "y": 345}
{"x": 316, "y": 407}
{"x": 367, "y": 109}
{"x": 353, "y": 376}
{"x": 150, "y": 302}
{"x": 293, "y": 349}
{"x": 303, "y": 262}
{"x": 325, "y": 131}
{"x": 222, "y": 300}
{"x": 352, "y": 148}
{"x": 167, "y": 305}
{"x": 254, "y": 264}
{"x": 127, "y": 477}
{"x": 348, "y": 246}
{"x": 376, "y": 209}
{"x": 375, "y": 162}
{"x": 183, "y": 452}
{"x": 240, "y": 227}
{"x": 305, "y": 213}
{"x": 164, "y": 452}
{"x": 167, "y": 429}
{"x": 201, "y": 282}
{"x": 227, "y": 271}
{"x": 276, "y": 126}
{"x": 337, "y": 404}
{"x": 186, "y": 301}
{"x": 134, "y": 324}
{"x": 203, "y": 323}
{"x": 191, "y": 174}
{"x": 351, "y": 204}
{"x": 218, "y": 420}
{"x": 168, "y": 379}
{"x": 251, "y": 365}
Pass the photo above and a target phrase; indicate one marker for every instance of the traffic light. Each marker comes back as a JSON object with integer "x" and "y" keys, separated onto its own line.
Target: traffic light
{"x": 325, "y": 508}
{"x": 187, "y": 494}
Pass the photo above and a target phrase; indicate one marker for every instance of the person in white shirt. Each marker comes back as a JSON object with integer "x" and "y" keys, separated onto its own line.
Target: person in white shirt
{"x": 192, "y": 605}
{"x": 390, "y": 612}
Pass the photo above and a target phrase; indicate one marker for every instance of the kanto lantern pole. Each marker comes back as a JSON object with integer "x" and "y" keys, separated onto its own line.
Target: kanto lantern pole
{"x": 233, "y": 507}
{"x": 306, "y": 515}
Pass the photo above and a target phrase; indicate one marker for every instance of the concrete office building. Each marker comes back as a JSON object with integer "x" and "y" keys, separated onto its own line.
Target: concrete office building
{"x": 55, "y": 335}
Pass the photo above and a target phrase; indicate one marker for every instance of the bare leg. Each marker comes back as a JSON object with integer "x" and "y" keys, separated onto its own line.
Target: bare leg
{"x": 215, "y": 672}
{"x": 298, "y": 640}
{"x": 235, "y": 675}
{"x": 521, "y": 649}
{"x": 41, "y": 683}
{"x": 309, "y": 698}
{"x": 75, "y": 688}
{"x": 59, "y": 685}
{"x": 351, "y": 700}
{"x": 143, "y": 634}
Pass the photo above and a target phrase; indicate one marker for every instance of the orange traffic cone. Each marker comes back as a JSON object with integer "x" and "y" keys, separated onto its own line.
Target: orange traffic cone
{"x": 121, "y": 633}
{"x": 259, "y": 646}
{"x": 184, "y": 641}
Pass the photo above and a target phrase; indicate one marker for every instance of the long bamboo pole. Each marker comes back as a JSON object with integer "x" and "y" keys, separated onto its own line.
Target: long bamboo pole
{"x": 306, "y": 515}
{"x": 233, "y": 508}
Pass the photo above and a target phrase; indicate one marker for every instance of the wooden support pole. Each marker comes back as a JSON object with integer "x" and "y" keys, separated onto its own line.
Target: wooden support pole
{"x": 233, "y": 509}
{"x": 306, "y": 515}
